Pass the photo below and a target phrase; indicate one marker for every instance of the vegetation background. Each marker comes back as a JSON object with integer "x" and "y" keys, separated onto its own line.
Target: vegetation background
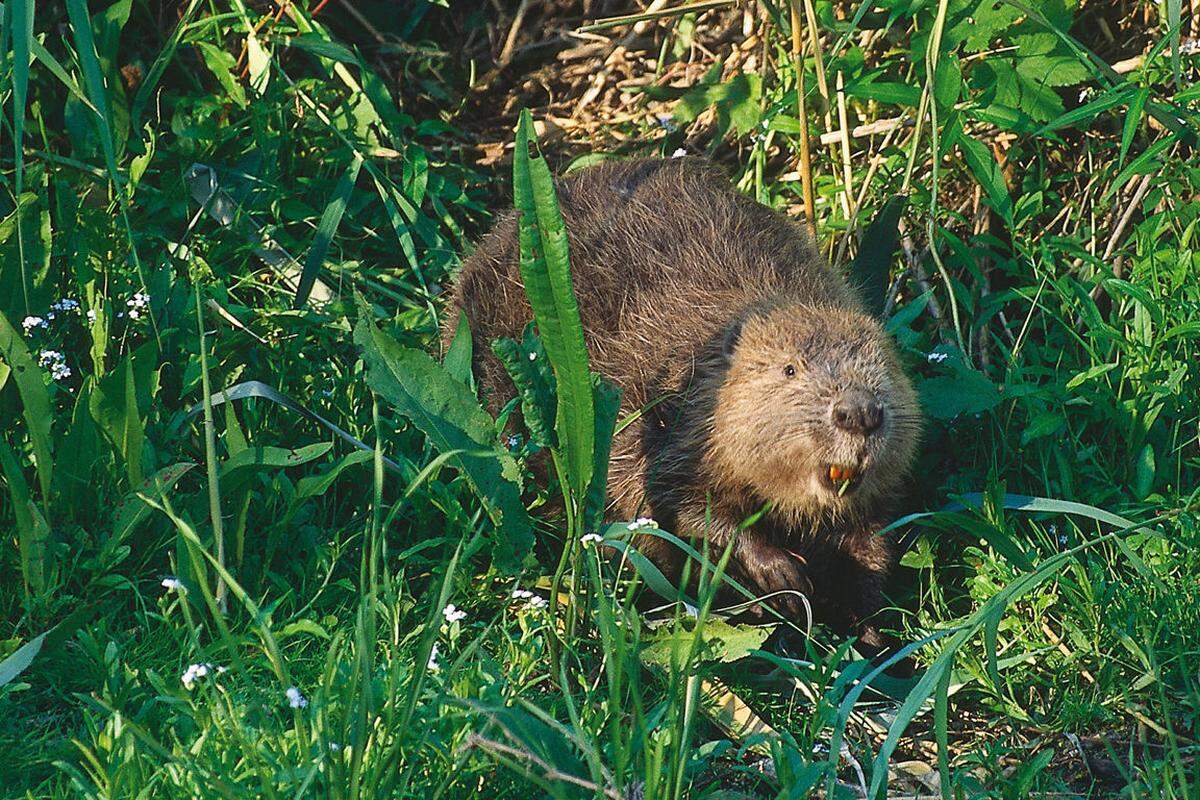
{"x": 321, "y": 581}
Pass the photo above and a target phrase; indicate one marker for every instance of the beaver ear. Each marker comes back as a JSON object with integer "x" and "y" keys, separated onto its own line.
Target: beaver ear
{"x": 730, "y": 340}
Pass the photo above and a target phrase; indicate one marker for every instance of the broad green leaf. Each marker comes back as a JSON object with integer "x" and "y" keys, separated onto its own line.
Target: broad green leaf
{"x": 35, "y": 400}
{"x": 32, "y": 531}
{"x": 133, "y": 508}
{"x": 321, "y": 46}
{"x": 458, "y": 355}
{"x": 330, "y": 219}
{"x": 546, "y": 273}
{"x": 988, "y": 174}
{"x": 239, "y": 468}
{"x": 737, "y": 102}
{"x": 113, "y": 404}
{"x": 607, "y": 404}
{"x": 303, "y": 626}
{"x": 947, "y": 81}
{"x": 221, "y": 64}
{"x": 529, "y": 369}
{"x": 1044, "y": 424}
{"x": 1042, "y": 59}
{"x": 258, "y": 61}
{"x": 1089, "y": 374}
{"x": 20, "y": 661}
{"x": 446, "y": 412}
{"x": 870, "y": 268}
{"x": 23, "y": 658}
{"x": 1144, "y": 468}
{"x": 965, "y": 392}
{"x": 720, "y": 642}
{"x": 314, "y": 485}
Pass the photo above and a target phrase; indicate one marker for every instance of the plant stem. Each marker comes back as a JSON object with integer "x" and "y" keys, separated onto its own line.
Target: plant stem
{"x": 802, "y": 114}
{"x": 210, "y": 455}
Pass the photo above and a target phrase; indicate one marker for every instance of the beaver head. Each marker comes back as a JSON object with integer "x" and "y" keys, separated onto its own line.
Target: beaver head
{"x": 813, "y": 413}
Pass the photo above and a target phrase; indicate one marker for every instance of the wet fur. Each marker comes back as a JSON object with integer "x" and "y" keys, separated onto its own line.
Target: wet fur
{"x": 693, "y": 298}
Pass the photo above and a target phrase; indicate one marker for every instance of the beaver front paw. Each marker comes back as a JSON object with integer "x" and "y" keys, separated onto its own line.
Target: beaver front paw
{"x": 776, "y": 576}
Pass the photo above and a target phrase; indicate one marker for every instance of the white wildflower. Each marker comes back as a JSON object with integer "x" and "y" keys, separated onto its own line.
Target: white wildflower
{"x": 56, "y": 362}
{"x": 453, "y": 614}
{"x": 194, "y": 673}
{"x": 533, "y": 356}
{"x": 31, "y": 322}
{"x": 642, "y": 523}
{"x": 513, "y": 442}
{"x": 134, "y": 313}
{"x": 590, "y": 538}
{"x": 680, "y": 153}
{"x": 91, "y": 315}
{"x": 295, "y": 698}
{"x": 433, "y": 662}
{"x": 937, "y": 358}
{"x": 532, "y": 601}
{"x": 172, "y": 584}
{"x": 139, "y": 300}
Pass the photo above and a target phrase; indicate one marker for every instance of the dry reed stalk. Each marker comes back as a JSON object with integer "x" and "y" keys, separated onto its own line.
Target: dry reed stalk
{"x": 847, "y": 174}
{"x": 806, "y": 183}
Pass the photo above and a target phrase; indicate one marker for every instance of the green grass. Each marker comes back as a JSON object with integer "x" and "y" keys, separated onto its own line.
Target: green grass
{"x": 237, "y": 196}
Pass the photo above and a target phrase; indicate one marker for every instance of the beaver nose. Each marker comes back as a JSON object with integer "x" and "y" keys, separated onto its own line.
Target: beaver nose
{"x": 857, "y": 411}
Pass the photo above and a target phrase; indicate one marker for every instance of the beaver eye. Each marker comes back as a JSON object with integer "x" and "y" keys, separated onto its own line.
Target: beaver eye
{"x": 789, "y": 371}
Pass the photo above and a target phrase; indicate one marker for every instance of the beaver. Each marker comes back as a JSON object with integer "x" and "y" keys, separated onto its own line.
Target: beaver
{"x": 758, "y": 380}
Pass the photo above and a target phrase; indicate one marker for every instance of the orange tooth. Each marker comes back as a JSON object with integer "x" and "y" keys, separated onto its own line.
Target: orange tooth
{"x": 835, "y": 472}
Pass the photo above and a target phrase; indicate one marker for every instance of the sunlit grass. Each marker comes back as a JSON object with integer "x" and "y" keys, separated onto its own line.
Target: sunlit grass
{"x": 294, "y": 589}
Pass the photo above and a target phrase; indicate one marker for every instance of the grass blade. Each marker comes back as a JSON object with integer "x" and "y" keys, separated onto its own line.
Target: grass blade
{"x": 20, "y": 20}
{"x": 330, "y": 219}
{"x": 248, "y": 389}
{"x": 1132, "y": 120}
{"x": 93, "y": 80}
{"x": 1174, "y": 12}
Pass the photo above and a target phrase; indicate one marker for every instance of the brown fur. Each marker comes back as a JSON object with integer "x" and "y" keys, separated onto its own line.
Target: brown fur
{"x": 694, "y": 300}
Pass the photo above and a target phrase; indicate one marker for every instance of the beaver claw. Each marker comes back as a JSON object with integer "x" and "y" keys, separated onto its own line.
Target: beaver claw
{"x": 778, "y": 578}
